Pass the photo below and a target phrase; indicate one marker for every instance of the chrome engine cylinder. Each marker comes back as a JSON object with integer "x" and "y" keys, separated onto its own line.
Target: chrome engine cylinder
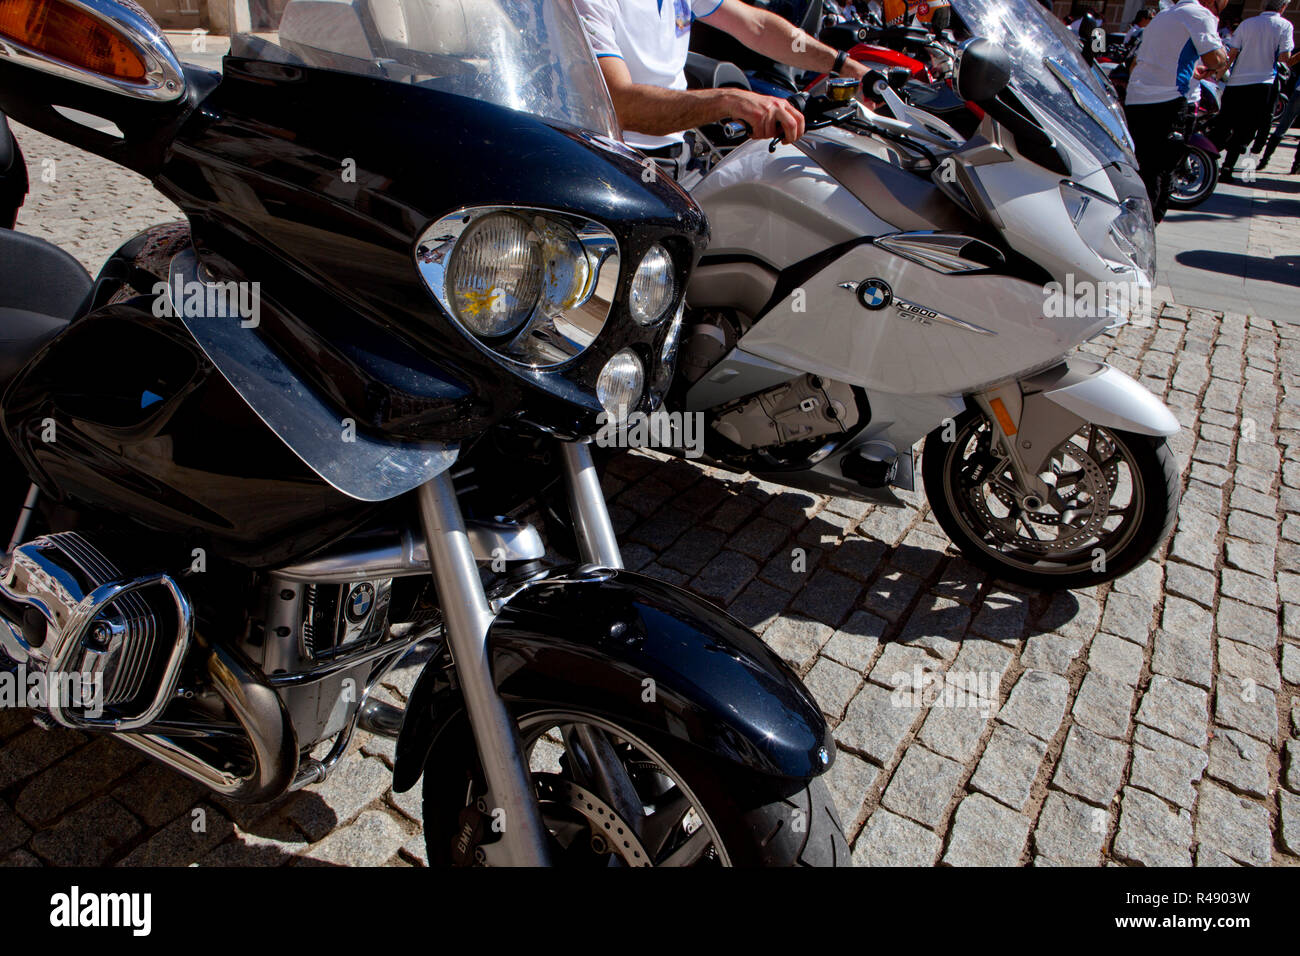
{"x": 75, "y": 613}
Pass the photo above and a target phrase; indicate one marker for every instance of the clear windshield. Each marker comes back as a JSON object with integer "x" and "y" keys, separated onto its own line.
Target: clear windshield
{"x": 1048, "y": 70}
{"x": 528, "y": 55}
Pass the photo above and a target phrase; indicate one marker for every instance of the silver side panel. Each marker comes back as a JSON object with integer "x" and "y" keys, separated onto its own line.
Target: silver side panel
{"x": 364, "y": 468}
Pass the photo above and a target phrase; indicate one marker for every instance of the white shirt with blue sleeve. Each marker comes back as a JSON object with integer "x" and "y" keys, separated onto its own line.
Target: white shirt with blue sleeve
{"x": 652, "y": 37}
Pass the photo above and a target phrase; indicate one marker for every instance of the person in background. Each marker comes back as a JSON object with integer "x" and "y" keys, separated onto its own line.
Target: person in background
{"x": 1145, "y": 15}
{"x": 1253, "y": 54}
{"x": 1092, "y": 10}
{"x": 1288, "y": 117}
{"x": 1173, "y": 44}
{"x": 642, "y": 53}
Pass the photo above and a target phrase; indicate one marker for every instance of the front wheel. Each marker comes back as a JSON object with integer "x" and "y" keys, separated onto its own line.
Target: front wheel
{"x": 609, "y": 797}
{"x": 1194, "y": 179}
{"x": 1112, "y": 501}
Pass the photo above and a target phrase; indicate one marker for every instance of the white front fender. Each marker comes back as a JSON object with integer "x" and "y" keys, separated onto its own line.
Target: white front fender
{"x": 1103, "y": 396}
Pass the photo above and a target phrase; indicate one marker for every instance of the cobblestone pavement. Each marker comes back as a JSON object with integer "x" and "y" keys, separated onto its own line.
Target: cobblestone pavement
{"x": 1151, "y": 722}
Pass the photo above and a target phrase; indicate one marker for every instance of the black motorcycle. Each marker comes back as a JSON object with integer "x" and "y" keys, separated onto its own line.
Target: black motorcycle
{"x": 267, "y": 451}
{"x": 13, "y": 176}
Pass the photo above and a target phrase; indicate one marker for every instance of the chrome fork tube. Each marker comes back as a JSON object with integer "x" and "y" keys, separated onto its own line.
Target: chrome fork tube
{"x": 467, "y": 617}
{"x": 595, "y": 532}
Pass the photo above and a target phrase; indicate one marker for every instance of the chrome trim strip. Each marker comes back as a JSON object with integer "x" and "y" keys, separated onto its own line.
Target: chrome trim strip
{"x": 940, "y": 251}
{"x": 365, "y": 468}
{"x": 919, "y": 314}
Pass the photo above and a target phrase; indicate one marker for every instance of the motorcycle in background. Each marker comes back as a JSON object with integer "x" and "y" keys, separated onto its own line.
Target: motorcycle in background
{"x": 268, "y": 450}
{"x": 888, "y": 279}
{"x": 921, "y": 76}
{"x": 1197, "y": 174}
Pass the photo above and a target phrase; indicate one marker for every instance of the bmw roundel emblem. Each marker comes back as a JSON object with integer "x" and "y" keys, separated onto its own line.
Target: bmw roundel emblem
{"x": 359, "y": 603}
{"x": 875, "y": 294}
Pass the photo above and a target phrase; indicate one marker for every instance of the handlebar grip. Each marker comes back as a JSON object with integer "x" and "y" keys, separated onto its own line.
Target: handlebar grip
{"x": 735, "y": 129}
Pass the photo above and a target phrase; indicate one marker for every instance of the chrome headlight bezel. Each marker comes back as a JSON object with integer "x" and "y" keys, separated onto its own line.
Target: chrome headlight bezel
{"x": 579, "y": 260}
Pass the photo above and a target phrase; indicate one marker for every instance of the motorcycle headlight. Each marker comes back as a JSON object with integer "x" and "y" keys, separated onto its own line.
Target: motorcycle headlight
{"x": 652, "y": 286}
{"x": 618, "y": 387}
{"x": 1123, "y": 234}
{"x": 494, "y": 278}
{"x": 532, "y": 285}
{"x": 1134, "y": 230}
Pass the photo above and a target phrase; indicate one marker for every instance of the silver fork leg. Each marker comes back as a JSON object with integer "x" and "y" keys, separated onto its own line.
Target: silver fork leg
{"x": 24, "y": 517}
{"x": 596, "y": 538}
{"x": 467, "y": 617}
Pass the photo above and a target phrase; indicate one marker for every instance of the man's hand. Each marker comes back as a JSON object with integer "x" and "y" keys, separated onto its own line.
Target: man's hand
{"x": 657, "y": 112}
{"x": 1216, "y": 61}
{"x": 769, "y": 117}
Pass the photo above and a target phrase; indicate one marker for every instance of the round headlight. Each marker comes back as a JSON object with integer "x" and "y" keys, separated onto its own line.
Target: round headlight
{"x": 566, "y": 270}
{"x": 619, "y": 384}
{"x": 494, "y": 278}
{"x": 652, "y": 286}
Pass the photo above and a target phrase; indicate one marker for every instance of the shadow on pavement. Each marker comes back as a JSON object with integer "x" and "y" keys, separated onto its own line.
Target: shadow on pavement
{"x": 1281, "y": 269}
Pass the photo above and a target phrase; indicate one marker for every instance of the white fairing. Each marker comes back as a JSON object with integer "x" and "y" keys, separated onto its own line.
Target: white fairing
{"x": 782, "y": 208}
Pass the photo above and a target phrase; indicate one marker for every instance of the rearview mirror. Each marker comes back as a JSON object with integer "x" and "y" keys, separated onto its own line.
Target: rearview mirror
{"x": 983, "y": 70}
{"x": 99, "y": 43}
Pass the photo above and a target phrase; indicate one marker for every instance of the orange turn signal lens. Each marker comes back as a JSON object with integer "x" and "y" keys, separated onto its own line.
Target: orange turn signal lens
{"x": 65, "y": 33}
{"x": 1004, "y": 417}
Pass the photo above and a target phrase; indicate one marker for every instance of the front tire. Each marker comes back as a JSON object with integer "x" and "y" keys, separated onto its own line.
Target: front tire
{"x": 689, "y": 813}
{"x": 1115, "y": 498}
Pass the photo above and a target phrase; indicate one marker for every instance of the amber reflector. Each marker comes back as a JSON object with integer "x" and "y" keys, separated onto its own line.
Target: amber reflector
{"x": 66, "y": 33}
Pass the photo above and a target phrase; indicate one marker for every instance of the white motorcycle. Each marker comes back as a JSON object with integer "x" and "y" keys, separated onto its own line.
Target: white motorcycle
{"x": 886, "y": 281}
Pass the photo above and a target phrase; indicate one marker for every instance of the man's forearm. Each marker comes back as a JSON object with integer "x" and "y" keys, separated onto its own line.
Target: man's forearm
{"x": 780, "y": 40}
{"x": 655, "y": 111}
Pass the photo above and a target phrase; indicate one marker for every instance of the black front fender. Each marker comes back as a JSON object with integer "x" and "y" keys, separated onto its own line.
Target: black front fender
{"x": 647, "y": 656}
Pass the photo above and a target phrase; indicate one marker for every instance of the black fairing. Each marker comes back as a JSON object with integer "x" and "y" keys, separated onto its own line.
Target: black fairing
{"x": 124, "y": 414}
{"x": 259, "y": 169}
{"x": 595, "y": 640}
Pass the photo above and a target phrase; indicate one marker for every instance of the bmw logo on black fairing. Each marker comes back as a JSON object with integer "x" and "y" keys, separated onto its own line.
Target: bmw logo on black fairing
{"x": 875, "y": 294}
{"x": 360, "y": 601}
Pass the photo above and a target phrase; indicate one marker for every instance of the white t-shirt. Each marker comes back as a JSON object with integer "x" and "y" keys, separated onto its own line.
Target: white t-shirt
{"x": 652, "y": 44}
{"x": 1261, "y": 40}
{"x": 1172, "y": 45}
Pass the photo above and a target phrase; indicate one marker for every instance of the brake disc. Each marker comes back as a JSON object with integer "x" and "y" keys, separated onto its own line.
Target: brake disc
{"x": 606, "y": 825}
{"x": 1095, "y": 482}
